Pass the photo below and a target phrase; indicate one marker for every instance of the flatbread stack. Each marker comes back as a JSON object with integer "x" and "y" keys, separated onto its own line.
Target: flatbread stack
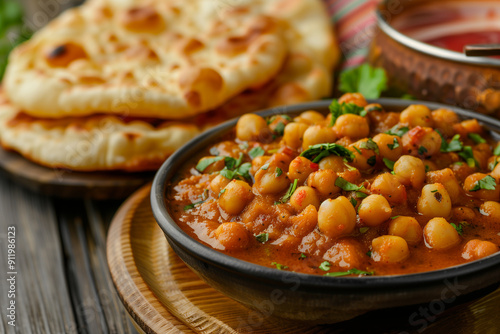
{"x": 121, "y": 84}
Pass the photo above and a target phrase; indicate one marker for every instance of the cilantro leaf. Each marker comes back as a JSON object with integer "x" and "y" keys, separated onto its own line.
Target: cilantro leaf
{"x": 476, "y": 138}
{"x": 346, "y": 185}
{"x": 279, "y": 129}
{"x": 369, "y": 144}
{"x": 352, "y": 271}
{"x": 458, "y": 228}
{"x": 289, "y": 192}
{"x": 338, "y": 109}
{"x": 204, "y": 163}
{"x": 496, "y": 151}
{"x": 394, "y": 145}
{"x": 263, "y": 237}
{"x": 325, "y": 266}
{"x": 468, "y": 156}
{"x": 323, "y": 150}
{"x": 422, "y": 150}
{"x": 278, "y": 172}
{"x": 367, "y": 80}
{"x": 255, "y": 152}
{"x": 486, "y": 183}
{"x": 265, "y": 166}
{"x": 279, "y": 266}
{"x": 363, "y": 230}
{"x": 353, "y": 202}
{"x": 454, "y": 145}
{"x": 397, "y": 130}
{"x": 388, "y": 163}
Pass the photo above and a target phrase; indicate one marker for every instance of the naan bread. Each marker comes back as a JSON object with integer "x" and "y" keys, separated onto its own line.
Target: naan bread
{"x": 166, "y": 59}
{"x": 96, "y": 142}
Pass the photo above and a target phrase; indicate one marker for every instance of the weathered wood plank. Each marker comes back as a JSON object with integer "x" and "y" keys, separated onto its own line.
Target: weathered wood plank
{"x": 42, "y": 296}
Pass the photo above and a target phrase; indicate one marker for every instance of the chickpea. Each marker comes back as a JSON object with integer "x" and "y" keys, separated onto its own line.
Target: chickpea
{"x": 351, "y": 175}
{"x": 344, "y": 254}
{"x": 389, "y": 186}
{"x": 352, "y": 126}
{"x": 467, "y": 126}
{"x": 251, "y": 127}
{"x": 318, "y": 134}
{"x": 232, "y": 235}
{"x": 472, "y": 182}
{"x": 218, "y": 183}
{"x": 267, "y": 180}
{"x": 236, "y": 196}
{"x": 258, "y": 162}
{"x": 336, "y": 217}
{"x": 440, "y": 235}
{"x": 422, "y": 142}
{"x": 293, "y": 134}
{"x": 374, "y": 210}
{"x": 390, "y": 147}
{"x": 434, "y": 201}
{"x": 477, "y": 249}
{"x": 481, "y": 153}
{"x": 303, "y": 197}
{"x": 323, "y": 181}
{"x": 407, "y": 228}
{"x": 389, "y": 249}
{"x": 300, "y": 168}
{"x": 447, "y": 178}
{"x": 444, "y": 120}
{"x": 333, "y": 162}
{"x": 491, "y": 210}
{"x": 463, "y": 213}
{"x": 356, "y": 98}
{"x": 410, "y": 171}
{"x": 417, "y": 115}
{"x": 310, "y": 117}
{"x": 364, "y": 160}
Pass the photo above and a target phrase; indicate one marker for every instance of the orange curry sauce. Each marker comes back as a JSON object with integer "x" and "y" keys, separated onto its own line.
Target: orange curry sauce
{"x": 260, "y": 224}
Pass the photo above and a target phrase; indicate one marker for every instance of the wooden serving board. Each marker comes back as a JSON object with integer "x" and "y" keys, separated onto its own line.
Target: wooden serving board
{"x": 162, "y": 295}
{"x": 69, "y": 184}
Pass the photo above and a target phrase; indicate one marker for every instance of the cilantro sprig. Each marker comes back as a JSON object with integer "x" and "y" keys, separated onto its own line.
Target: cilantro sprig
{"x": 352, "y": 271}
{"x": 346, "y": 185}
{"x": 397, "y": 130}
{"x": 338, "y": 109}
{"x": 233, "y": 167}
{"x": 367, "y": 80}
{"x": 320, "y": 151}
{"x": 289, "y": 192}
{"x": 486, "y": 183}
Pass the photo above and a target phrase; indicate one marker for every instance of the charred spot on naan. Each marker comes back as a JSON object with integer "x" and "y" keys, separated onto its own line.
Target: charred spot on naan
{"x": 64, "y": 54}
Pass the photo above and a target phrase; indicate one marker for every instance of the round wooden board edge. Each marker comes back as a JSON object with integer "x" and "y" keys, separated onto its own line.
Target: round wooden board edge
{"x": 69, "y": 184}
{"x": 126, "y": 276}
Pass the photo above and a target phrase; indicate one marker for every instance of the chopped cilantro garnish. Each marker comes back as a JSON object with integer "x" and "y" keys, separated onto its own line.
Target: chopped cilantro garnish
{"x": 325, "y": 266}
{"x": 279, "y": 266}
{"x": 476, "y": 138}
{"x": 357, "y": 150}
{"x": 290, "y": 192}
{"x": 367, "y": 80}
{"x": 338, "y": 109}
{"x": 388, "y": 163}
{"x": 427, "y": 168}
{"x": 422, "y": 150}
{"x": 486, "y": 183}
{"x": 369, "y": 144}
{"x": 346, "y": 185}
{"x": 496, "y": 151}
{"x": 241, "y": 172}
{"x": 372, "y": 161}
{"x": 397, "y": 130}
{"x": 255, "y": 152}
{"x": 363, "y": 230}
{"x": 395, "y": 217}
{"x": 303, "y": 256}
{"x": 243, "y": 146}
{"x": 394, "y": 145}
{"x": 278, "y": 172}
{"x": 369, "y": 253}
{"x": 279, "y": 129}
{"x": 454, "y": 145}
{"x": 352, "y": 271}
{"x": 204, "y": 163}
{"x": 263, "y": 237}
{"x": 468, "y": 156}
{"x": 222, "y": 191}
{"x": 353, "y": 202}
{"x": 265, "y": 166}
{"x": 319, "y": 151}
{"x": 360, "y": 194}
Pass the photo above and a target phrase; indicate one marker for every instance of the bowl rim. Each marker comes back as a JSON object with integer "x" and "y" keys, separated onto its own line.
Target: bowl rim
{"x": 240, "y": 267}
{"x": 425, "y": 48}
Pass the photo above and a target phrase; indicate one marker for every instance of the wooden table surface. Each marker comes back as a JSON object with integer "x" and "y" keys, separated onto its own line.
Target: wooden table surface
{"x": 61, "y": 278}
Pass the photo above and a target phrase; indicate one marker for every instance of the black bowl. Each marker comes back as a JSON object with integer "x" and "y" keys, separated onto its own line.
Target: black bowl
{"x": 318, "y": 299}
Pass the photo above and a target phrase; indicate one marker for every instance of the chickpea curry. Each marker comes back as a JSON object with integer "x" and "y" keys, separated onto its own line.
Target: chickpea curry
{"x": 361, "y": 191}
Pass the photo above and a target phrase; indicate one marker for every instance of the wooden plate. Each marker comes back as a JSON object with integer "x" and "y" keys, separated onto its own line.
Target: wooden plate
{"x": 69, "y": 184}
{"x": 162, "y": 295}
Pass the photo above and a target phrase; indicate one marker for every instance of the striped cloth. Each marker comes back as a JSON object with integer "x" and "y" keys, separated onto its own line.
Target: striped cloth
{"x": 354, "y": 23}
